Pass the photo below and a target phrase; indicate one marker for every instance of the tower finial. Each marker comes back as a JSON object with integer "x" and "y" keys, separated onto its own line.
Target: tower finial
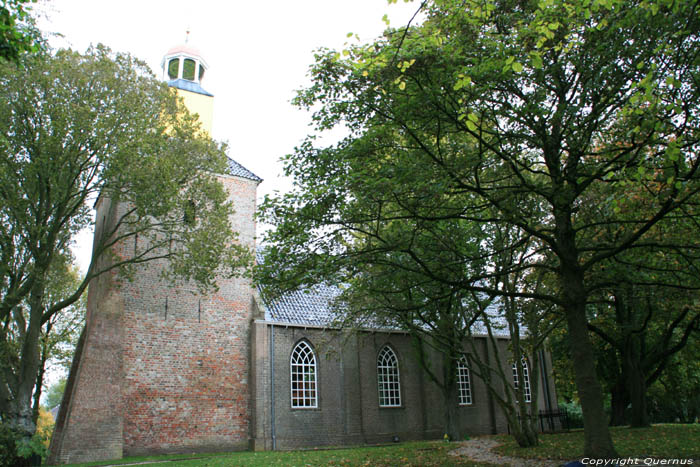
{"x": 187, "y": 35}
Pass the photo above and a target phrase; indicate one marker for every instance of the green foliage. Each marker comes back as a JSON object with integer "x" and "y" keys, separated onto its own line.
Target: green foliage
{"x": 515, "y": 116}
{"x": 60, "y": 333}
{"x": 76, "y": 128}
{"x": 675, "y": 396}
{"x": 17, "y": 33}
{"x": 55, "y": 393}
{"x": 8, "y": 445}
{"x": 574, "y": 413}
{"x": 17, "y": 451}
{"x": 34, "y": 448}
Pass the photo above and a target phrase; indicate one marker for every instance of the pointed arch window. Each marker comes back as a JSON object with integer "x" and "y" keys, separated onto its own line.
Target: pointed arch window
{"x": 388, "y": 378}
{"x": 526, "y": 378}
{"x": 303, "y": 377}
{"x": 464, "y": 386}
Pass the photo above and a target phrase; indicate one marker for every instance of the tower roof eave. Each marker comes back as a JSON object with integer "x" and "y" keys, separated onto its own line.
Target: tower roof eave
{"x": 190, "y": 86}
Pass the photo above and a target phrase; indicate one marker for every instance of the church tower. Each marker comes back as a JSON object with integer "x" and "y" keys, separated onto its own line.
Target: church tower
{"x": 159, "y": 368}
{"x": 184, "y": 68}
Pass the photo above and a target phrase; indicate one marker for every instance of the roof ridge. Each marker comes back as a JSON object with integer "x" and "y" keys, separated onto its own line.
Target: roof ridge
{"x": 236, "y": 169}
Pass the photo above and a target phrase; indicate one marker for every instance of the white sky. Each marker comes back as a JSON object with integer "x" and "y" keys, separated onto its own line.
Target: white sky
{"x": 258, "y": 54}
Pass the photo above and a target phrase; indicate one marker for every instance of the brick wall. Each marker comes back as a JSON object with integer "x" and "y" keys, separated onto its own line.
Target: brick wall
{"x": 348, "y": 408}
{"x": 163, "y": 368}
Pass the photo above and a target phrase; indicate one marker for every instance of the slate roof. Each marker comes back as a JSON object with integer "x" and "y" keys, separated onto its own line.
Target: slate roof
{"x": 314, "y": 307}
{"x": 234, "y": 168}
{"x": 311, "y": 306}
{"x": 187, "y": 85}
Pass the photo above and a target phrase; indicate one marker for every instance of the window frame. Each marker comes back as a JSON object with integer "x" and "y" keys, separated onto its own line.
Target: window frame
{"x": 174, "y": 68}
{"x": 464, "y": 383}
{"x": 388, "y": 378}
{"x": 299, "y": 366}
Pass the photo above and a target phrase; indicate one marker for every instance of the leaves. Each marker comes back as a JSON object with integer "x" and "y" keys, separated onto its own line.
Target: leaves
{"x": 531, "y": 118}
{"x": 75, "y": 128}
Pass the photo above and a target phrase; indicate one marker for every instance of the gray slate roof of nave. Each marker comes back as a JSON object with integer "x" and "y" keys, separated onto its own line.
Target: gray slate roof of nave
{"x": 311, "y": 306}
{"x": 314, "y": 307}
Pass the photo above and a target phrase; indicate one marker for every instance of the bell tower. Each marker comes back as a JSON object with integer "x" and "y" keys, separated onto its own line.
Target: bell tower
{"x": 184, "y": 68}
{"x": 161, "y": 367}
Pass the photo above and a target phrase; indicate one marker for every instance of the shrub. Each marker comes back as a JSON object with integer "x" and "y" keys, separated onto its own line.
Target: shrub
{"x": 16, "y": 451}
{"x": 574, "y": 413}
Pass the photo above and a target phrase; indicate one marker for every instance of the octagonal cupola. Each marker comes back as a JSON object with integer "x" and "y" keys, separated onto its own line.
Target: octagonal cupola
{"x": 184, "y": 67}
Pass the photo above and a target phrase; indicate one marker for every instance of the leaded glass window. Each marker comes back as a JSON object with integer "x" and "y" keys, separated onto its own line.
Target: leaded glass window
{"x": 303, "y": 376}
{"x": 464, "y": 386}
{"x": 388, "y": 378}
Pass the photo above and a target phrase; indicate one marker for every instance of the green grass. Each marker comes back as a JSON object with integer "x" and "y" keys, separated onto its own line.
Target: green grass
{"x": 662, "y": 441}
{"x": 422, "y": 453}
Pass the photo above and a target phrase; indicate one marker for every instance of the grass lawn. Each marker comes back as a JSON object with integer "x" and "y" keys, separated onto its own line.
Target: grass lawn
{"x": 662, "y": 441}
{"x": 421, "y": 453}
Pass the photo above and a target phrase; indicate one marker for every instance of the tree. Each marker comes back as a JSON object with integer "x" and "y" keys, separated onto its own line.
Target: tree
{"x": 675, "y": 396}
{"x": 640, "y": 335}
{"x": 17, "y": 34}
{"x": 55, "y": 393}
{"x": 523, "y": 108}
{"x": 385, "y": 290}
{"x": 75, "y": 128}
{"x": 643, "y": 309}
{"x": 60, "y": 333}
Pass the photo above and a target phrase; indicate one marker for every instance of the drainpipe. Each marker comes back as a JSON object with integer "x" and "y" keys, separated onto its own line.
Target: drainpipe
{"x": 545, "y": 381}
{"x": 272, "y": 387}
{"x": 489, "y": 396}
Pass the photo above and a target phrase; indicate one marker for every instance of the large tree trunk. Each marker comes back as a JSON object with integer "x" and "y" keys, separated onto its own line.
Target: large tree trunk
{"x": 20, "y": 414}
{"x": 520, "y": 428}
{"x": 597, "y": 440}
{"x": 639, "y": 416}
{"x": 449, "y": 390}
{"x": 618, "y": 404}
{"x": 598, "y": 443}
{"x": 451, "y": 416}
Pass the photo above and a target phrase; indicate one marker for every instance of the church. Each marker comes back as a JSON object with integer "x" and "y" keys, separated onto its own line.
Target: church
{"x": 161, "y": 369}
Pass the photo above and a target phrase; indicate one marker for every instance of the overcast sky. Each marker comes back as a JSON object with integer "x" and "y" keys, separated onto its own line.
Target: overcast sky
{"x": 258, "y": 54}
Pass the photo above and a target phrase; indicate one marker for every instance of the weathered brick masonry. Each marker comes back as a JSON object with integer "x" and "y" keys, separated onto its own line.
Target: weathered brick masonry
{"x": 162, "y": 369}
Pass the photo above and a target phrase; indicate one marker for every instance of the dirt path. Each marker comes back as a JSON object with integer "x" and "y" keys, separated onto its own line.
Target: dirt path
{"x": 480, "y": 450}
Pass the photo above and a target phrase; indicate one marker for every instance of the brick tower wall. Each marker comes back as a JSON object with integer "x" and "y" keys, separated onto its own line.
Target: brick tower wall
{"x": 163, "y": 367}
